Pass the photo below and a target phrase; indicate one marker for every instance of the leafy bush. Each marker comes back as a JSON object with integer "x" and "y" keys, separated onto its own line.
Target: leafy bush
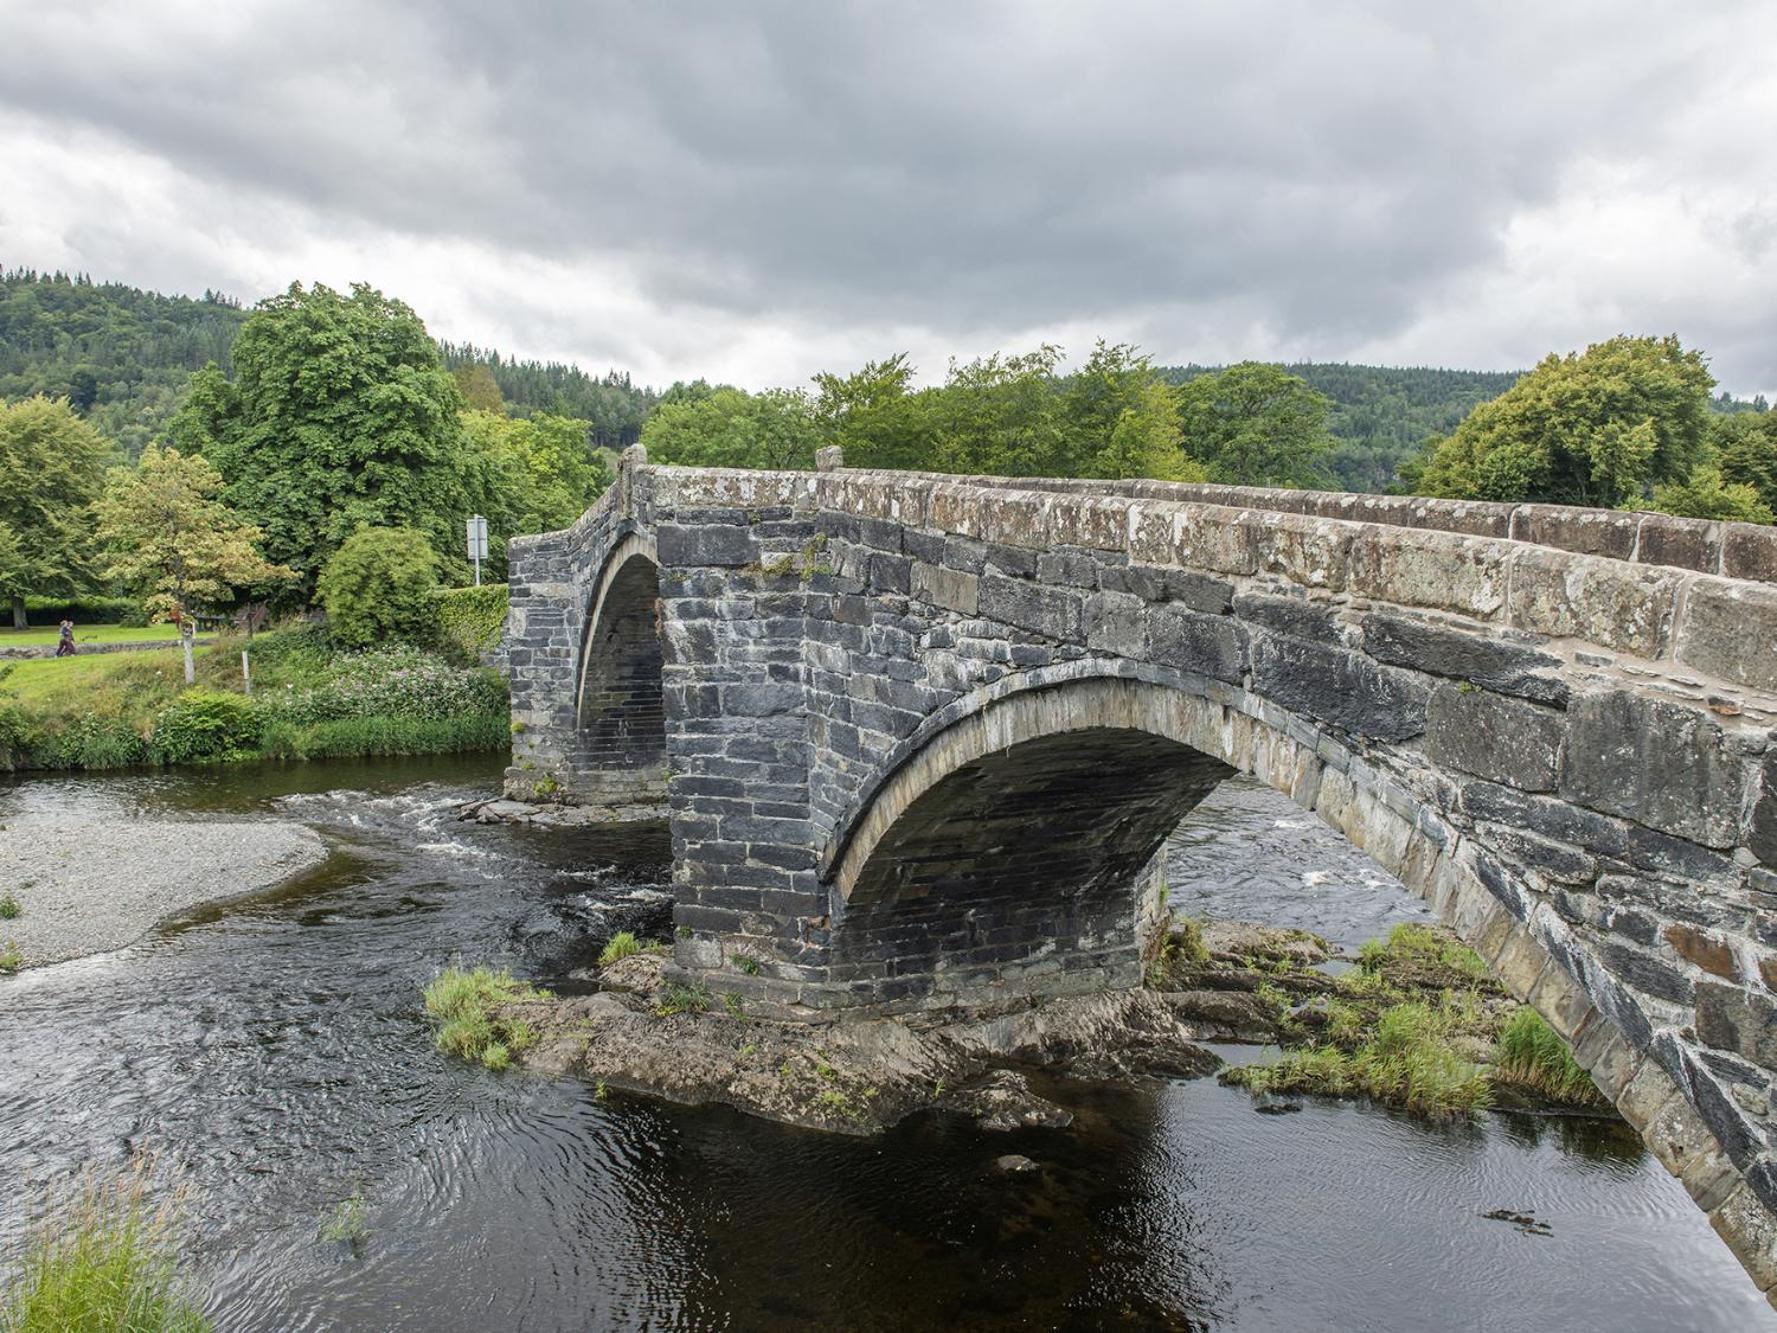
{"x": 378, "y": 586}
{"x": 470, "y": 619}
{"x": 399, "y": 680}
{"x": 86, "y": 741}
{"x": 205, "y": 724}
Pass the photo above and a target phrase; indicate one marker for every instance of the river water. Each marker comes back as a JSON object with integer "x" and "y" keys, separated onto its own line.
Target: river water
{"x": 273, "y": 1055}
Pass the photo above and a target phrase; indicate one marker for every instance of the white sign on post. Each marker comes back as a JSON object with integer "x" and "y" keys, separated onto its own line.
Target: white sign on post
{"x": 477, "y": 529}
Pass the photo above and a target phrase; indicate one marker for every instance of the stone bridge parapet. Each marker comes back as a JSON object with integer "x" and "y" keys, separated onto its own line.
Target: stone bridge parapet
{"x": 919, "y": 738}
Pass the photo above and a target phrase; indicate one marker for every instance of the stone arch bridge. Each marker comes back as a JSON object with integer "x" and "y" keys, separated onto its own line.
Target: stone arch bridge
{"x": 920, "y": 737}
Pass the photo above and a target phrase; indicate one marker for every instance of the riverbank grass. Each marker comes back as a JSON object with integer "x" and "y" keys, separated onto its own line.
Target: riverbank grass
{"x": 1531, "y": 1055}
{"x": 466, "y": 1003}
{"x": 623, "y": 945}
{"x": 1419, "y": 1025}
{"x": 103, "y": 1263}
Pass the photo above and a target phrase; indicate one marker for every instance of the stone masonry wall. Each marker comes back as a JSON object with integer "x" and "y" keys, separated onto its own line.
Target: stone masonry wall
{"x": 1569, "y": 752}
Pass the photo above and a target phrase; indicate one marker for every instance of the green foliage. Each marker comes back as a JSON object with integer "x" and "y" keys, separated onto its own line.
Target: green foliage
{"x": 357, "y": 737}
{"x": 1255, "y": 425}
{"x": 9, "y": 906}
{"x": 120, "y": 355}
{"x": 613, "y": 408}
{"x": 173, "y": 542}
{"x": 1705, "y": 494}
{"x": 378, "y": 586}
{"x": 734, "y": 428}
{"x": 12, "y": 958}
{"x": 205, "y": 724}
{"x": 622, "y": 945}
{"x": 1186, "y": 941}
{"x": 466, "y": 1005}
{"x": 1418, "y": 949}
{"x": 81, "y": 610}
{"x": 532, "y": 475}
{"x": 103, "y": 1262}
{"x": 1530, "y": 1054}
{"x": 1745, "y": 448}
{"x": 340, "y": 416}
{"x": 85, "y": 740}
{"x": 1408, "y": 1063}
{"x": 52, "y": 466}
{"x": 1598, "y": 428}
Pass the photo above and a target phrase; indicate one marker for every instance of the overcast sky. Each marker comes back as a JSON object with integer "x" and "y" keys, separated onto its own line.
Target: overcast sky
{"x": 756, "y": 191}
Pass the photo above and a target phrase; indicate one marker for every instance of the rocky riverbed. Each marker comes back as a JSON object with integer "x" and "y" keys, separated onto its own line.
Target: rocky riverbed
{"x": 89, "y": 886}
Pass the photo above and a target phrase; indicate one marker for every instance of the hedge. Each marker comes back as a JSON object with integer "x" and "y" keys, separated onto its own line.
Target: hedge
{"x": 470, "y": 619}
{"x": 81, "y": 610}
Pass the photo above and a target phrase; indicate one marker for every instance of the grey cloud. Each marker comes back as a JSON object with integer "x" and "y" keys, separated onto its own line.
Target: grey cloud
{"x": 1326, "y": 170}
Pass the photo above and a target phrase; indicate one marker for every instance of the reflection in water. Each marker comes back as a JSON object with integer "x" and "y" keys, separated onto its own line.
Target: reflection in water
{"x": 274, "y": 1053}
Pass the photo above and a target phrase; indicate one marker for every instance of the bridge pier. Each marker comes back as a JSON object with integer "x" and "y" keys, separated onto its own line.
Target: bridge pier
{"x": 920, "y": 738}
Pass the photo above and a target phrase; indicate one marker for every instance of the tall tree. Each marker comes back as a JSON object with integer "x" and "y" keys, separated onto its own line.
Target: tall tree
{"x": 52, "y": 467}
{"x": 1597, "y": 428}
{"x": 1255, "y": 424}
{"x": 529, "y": 475}
{"x": 1122, "y": 419}
{"x": 340, "y": 415}
{"x": 172, "y": 540}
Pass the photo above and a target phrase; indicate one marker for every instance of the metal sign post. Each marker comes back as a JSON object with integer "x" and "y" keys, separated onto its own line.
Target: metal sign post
{"x": 477, "y": 528}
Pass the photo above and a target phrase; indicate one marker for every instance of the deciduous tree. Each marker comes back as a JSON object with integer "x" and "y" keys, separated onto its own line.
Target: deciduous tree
{"x": 175, "y": 543}
{"x": 52, "y": 467}
{"x": 1255, "y": 424}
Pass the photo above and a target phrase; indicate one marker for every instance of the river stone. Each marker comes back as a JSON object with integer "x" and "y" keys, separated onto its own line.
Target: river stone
{"x": 1014, "y": 1164}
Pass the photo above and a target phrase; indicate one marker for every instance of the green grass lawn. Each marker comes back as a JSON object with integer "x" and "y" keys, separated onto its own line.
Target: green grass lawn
{"x": 102, "y": 682}
{"x": 41, "y": 634}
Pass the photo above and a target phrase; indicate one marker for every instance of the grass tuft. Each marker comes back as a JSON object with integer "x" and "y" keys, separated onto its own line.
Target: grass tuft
{"x": 1530, "y": 1054}
{"x": 466, "y": 1003}
{"x": 102, "y": 1262}
{"x": 623, "y": 945}
{"x": 9, "y": 907}
{"x": 12, "y": 958}
{"x": 676, "y": 999}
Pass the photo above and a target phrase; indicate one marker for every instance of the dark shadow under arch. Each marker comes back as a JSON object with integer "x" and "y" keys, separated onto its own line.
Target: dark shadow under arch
{"x": 620, "y": 712}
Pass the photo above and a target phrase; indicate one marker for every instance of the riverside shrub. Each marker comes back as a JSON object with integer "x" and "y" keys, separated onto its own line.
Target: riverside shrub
{"x": 378, "y": 586}
{"x": 399, "y": 681}
{"x": 205, "y": 724}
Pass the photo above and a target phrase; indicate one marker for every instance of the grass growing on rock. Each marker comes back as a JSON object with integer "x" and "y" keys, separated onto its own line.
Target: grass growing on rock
{"x": 466, "y": 1005}
{"x": 12, "y": 958}
{"x": 1419, "y": 1025}
{"x": 1531, "y": 1055}
{"x": 623, "y": 945}
{"x": 103, "y": 1261}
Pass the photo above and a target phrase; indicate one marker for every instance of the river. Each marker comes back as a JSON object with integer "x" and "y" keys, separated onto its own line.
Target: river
{"x": 273, "y": 1055}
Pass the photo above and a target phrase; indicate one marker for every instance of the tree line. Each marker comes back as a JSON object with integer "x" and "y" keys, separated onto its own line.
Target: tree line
{"x": 330, "y": 414}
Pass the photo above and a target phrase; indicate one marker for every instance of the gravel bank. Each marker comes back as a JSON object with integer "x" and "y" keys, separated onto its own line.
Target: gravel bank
{"x": 87, "y": 886}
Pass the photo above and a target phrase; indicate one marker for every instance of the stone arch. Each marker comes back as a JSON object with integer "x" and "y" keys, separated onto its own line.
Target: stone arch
{"x": 619, "y": 694}
{"x": 979, "y": 740}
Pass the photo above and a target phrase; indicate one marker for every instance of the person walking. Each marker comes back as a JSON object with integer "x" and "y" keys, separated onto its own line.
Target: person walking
{"x": 65, "y": 647}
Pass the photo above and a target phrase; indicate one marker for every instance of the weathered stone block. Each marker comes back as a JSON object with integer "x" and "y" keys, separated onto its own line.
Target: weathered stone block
{"x": 1055, "y": 612}
{"x": 1439, "y": 569}
{"x": 1505, "y": 668}
{"x": 1494, "y": 737}
{"x": 1210, "y": 645}
{"x": 1761, "y": 838}
{"x": 1730, "y": 630}
{"x": 1749, "y": 551}
{"x": 1684, "y": 543}
{"x": 1586, "y": 531}
{"x": 1343, "y": 688}
{"x": 726, "y": 544}
{"x": 1610, "y": 603}
{"x": 1294, "y": 616}
{"x": 1733, "y": 1018}
{"x": 1657, "y": 762}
